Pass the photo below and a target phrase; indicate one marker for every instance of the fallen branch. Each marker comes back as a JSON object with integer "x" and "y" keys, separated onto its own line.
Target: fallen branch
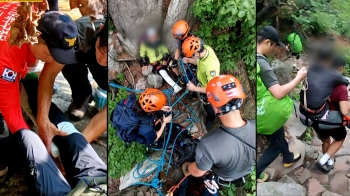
{"x": 133, "y": 80}
{"x": 122, "y": 60}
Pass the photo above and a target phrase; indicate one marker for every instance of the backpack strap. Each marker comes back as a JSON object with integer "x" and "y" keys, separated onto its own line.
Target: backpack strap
{"x": 236, "y": 137}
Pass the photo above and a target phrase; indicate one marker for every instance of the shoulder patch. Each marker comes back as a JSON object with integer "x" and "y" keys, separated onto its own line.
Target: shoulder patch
{"x": 213, "y": 73}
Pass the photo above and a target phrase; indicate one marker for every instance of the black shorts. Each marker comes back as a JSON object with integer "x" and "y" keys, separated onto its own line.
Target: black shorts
{"x": 297, "y": 55}
{"x": 337, "y": 134}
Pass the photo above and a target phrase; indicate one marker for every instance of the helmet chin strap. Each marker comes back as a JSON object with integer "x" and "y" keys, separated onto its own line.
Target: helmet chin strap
{"x": 229, "y": 107}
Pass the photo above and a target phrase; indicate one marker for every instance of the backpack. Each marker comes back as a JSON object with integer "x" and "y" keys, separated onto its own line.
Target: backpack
{"x": 129, "y": 125}
{"x": 272, "y": 113}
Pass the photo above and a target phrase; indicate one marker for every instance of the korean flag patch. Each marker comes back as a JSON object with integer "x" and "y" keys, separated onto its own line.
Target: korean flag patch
{"x": 213, "y": 73}
{"x": 9, "y": 75}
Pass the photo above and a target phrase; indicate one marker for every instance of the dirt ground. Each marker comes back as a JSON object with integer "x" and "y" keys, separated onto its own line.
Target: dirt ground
{"x": 15, "y": 184}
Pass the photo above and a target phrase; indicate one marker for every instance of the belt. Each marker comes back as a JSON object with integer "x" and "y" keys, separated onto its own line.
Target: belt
{"x": 313, "y": 111}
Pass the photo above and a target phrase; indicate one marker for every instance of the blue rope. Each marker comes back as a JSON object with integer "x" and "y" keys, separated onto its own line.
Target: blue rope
{"x": 156, "y": 183}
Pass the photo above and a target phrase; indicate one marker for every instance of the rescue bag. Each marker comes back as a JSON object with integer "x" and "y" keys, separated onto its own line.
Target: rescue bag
{"x": 129, "y": 125}
{"x": 272, "y": 113}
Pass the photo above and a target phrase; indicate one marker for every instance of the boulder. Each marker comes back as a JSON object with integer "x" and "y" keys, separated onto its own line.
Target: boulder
{"x": 147, "y": 71}
{"x": 114, "y": 68}
{"x": 286, "y": 179}
{"x": 304, "y": 176}
{"x": 311, "y": 152}
{"x": 327, "y": 193}
{"x": 278, "y": 189}
{"x": 141, "y": 84}
{"x": 314, "y": 188}
{"x": 154, "y": 80}
{"x": 340, "y": 184}
{"x": 293, "y": 124}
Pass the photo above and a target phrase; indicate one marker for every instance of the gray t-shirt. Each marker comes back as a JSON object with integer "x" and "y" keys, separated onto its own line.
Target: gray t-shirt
{"x": 266, "y": 73}
{"x": 225, "y": 155}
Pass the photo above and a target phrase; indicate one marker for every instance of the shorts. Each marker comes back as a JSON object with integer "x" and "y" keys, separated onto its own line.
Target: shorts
{"x": 337, "y": 134}
{"x": 297, "y": 55}
{"x": 10, "y": 103}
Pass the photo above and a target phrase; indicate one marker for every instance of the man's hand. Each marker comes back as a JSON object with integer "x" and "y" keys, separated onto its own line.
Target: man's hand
{"x": 186, "y": 60}
{"x": 191, "y": 86}
{"x": 302, "y": 73}
{"x": 47, "y": 131}
{"x": 185, "y": 168}
{"x": 167, "y": 119}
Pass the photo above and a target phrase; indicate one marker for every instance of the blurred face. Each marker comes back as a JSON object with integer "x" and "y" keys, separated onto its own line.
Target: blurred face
{"x": 101, "y": 53}
{"x": 41, "y": 52}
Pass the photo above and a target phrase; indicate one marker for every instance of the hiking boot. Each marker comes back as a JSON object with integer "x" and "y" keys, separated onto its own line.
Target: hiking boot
{"x": 296, "y": 158}
{"x": 324, "y": 168}
{"x": 263, "y": 177}
{"x": 77, "y": 112}
{"x": 3, "y": 125}
{"x": 330, "y": 167}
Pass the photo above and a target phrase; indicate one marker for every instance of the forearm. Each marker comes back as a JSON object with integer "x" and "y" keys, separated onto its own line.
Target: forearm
{"x": 192, "y": 61}
{"x": 200, "y": 89}
{"x": 161, "y": 130}
{"x": 177, "y": 54}
{"x": 283, "y": 90}
{"x": 97, "y": 126}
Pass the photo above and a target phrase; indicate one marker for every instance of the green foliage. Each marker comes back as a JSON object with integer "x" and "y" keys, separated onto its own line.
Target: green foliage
{"x": 121, "y": 157}
{"x": 249, "y": 186}
{"x": 229, "y": 27}
{"x": 111, "y": 26}
{"x": 308, "y": 134}
{"x": 120, "y": 77}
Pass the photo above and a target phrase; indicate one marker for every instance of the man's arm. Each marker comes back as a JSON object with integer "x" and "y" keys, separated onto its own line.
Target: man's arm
{"x": 343, "y": 99}
{"x": 190, "y": 60}
{"x": 194, "y": 171}
{"x": 96, "y": 126}
{"x": 280, "y": 91}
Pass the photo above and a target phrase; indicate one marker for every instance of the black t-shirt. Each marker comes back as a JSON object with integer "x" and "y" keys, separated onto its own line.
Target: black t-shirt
{"x": 321, "y": 82}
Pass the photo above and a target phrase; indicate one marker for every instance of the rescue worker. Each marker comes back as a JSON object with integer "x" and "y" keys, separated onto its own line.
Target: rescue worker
{"x": 56, "y": 49}
{"x": 213, "y": 158}
{"x": 208, "y": 66}
{"x": 154, "y": 52}
{"x": 270, "y": 89}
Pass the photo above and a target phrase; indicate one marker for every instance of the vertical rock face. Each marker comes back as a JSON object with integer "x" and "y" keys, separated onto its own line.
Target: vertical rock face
{"x": 132, "y": 17}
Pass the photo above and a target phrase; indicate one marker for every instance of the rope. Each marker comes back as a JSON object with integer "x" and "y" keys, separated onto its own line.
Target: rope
{"x": 156, "y": 183}
{"x": 173, "y": 188}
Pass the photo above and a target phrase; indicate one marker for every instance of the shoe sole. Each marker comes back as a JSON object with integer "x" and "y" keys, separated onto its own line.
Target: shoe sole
{"x": 286, "y": 165}
{"x": 321, "y": 168}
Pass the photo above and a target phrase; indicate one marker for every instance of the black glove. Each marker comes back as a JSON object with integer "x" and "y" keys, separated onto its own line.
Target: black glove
{"x": 174, "y": 64}
{"x": 144, "y": 61}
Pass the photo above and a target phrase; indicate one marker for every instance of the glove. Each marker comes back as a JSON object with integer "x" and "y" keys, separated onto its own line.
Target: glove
{"x": 174, "y": 64}
{"x": 185, "y": 168}
{"x": 144, "y": 61}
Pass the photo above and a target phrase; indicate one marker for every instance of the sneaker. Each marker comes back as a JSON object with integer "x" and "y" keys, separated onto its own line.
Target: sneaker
{"x": 324, "y": 168}
{"x": 3, "y": 125}
{"x": 297, "y": 156}
{"x": 78, "y": 113}
{"x": 263, "y": 177}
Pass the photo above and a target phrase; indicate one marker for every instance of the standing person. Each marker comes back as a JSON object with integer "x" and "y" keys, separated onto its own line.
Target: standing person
{"x": 55, "y": 47}
{"x": 294, "y": 45}
{"x": 226, "y": 95}
{"x": 274, "y": 105}
{"x": 208, "y": 66}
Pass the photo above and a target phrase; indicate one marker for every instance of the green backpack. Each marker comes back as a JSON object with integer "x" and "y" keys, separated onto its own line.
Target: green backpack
{"x": 271, "y": 112}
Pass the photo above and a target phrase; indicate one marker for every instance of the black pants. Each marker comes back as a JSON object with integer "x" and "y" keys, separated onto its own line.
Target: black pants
{"x": 24, "y": 149}
{"x": 77, "y": 77}
{"x": 277, "y": 145}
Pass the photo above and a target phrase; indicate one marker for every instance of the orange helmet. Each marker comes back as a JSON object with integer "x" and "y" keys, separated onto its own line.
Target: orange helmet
{"x": 191, "y": 45}
{"x": 152, "y": 100}
{"x": 222, "y": 89}
{"x": 180, "y": 29}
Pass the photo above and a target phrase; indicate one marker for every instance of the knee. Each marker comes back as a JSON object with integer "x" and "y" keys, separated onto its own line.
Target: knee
{"x": 27, "y": 137}
{"x": 74, "y": 139}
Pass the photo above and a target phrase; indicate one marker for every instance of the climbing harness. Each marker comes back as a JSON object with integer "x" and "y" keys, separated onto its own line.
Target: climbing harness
{"x": 137, "y": 174}
{"x": 211, "y": 185}
{"x": 173, "y": 188}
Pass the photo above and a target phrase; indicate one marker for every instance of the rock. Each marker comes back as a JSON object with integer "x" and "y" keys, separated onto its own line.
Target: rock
{"x": 272, "y": 173}
{"x": 286, "y": 179}
{"x": 194, "y": 129}
{"x": 327, "y": 193}
{"x": 283, "y": 71}
{"x": 114, "y": 68}
{"x": 348, "y": 175}
{"x": 129, "y": 179}
{"x": 304, "y": 176}
{"x": 278, "y": 189}
{"x": 293, "y": 124}
{"x": 295, "y": 145}
{"x": 141, "y": 84}
{"x": 316, "y": 142}
{"x": 154, "y": 80}
{"x": 147, "y": 71}
{"x": 340, "y": 184}
{"x": 311, "y": 152}
{"x": 314, "y": 188}
{"x": 131, "y": 18}
{"x": 343, "y": 159}
{"x": 340, "y": 166}
{"x": 177, "y": 10}
{"x": 322, "y": 178}
{"x": 119, "y": 47}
